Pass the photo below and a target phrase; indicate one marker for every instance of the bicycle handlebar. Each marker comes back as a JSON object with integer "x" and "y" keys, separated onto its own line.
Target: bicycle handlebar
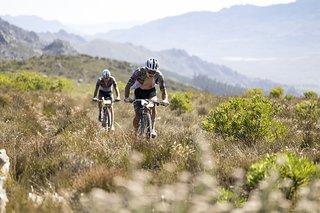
{"x": 98, "y": 100}
{"x": 149, "y": 100}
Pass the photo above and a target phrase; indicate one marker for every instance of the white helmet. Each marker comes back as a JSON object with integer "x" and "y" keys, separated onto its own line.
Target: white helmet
{"x": 105, "y": 73}
{"x": 152, "y": 64}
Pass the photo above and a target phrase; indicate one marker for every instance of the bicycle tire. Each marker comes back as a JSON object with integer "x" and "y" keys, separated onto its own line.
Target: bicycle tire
{"x": 146, "y": 125}
{"x": 104, "y": 118}
{"x": 106, "y": 122}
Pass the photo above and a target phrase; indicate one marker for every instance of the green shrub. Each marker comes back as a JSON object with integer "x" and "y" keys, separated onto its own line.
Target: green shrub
{"x": 289, "y": 166}
{"x": 59, "y": 84}
{"x": 5, "y": 79}
{"x": 121, "y": 86}
{"x": 181, "y": 102}
{"x": 276, "y": 92}
{"x": 310, "y": 95}
{"x": 247, "y": 119}
{"x": 307, "y": 113}
{"x": 31, "y": 81}
{"x": 288, "y": 97}
{"x": 225, "y": 195}
{"x": 252, "y": 92}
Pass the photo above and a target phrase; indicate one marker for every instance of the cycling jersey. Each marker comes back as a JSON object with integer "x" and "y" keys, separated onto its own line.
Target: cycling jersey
{"x": 140, "y": 75}
{"x": 106, "y": 87}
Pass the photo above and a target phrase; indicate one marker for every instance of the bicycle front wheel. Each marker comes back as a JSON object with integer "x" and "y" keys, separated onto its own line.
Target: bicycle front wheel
{"x": 106, "y": 118}
{"x": 146, "y": 125}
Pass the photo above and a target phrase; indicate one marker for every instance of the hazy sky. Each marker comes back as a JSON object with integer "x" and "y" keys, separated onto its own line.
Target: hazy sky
{"x": 102, "y": 11}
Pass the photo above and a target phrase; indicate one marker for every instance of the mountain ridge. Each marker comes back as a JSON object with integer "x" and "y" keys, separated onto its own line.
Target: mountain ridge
{"x": 176, "y": 61}
{"x": 278, "y": 42}
{"x": 18, "y": 44}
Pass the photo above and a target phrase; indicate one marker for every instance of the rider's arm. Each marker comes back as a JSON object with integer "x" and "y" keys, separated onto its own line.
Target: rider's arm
{"x": 162, "y": 87}
{"x": 115, "y": 86}
{"x": 131, "y": 81}
{"x": 164, "y": 94}
{"x": 96, "y": 89}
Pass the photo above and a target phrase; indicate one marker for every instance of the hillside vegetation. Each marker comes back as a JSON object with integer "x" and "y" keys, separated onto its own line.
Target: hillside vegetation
{"x": 213, "y": 153}
{"x": 84, "y": 69}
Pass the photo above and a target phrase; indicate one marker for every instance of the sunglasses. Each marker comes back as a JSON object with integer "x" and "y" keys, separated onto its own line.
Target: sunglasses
{"x": 151, "y": 72}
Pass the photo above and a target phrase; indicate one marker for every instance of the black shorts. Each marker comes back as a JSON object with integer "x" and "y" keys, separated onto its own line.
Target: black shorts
{"x": 106, "y": 95}
{"x": 143, "y": 94}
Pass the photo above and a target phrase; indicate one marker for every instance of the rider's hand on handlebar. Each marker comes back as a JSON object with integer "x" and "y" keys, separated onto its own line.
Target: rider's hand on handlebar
{"x": 128, "y": 100}
{"x": 165, "y": 103}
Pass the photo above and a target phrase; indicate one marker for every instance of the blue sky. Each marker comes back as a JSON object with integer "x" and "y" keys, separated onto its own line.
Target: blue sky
{"x": 102, "y": 11}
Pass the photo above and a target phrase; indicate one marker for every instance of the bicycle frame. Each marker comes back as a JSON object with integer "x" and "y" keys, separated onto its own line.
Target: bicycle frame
{"x": 145, "y": 116}
{"x": 107, "y": 117}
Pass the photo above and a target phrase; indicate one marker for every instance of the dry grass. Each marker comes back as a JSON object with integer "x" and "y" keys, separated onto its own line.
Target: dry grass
{"x": 56, "y": 145}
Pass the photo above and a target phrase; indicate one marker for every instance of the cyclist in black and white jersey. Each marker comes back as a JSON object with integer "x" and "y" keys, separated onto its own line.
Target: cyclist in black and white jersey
{"x": 104, "y": 85}
{"x": 143, "y": 81}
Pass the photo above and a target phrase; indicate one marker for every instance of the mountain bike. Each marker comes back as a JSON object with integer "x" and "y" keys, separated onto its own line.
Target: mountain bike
{"x": 145, "y": 123}
{"x": 106, "y": 121}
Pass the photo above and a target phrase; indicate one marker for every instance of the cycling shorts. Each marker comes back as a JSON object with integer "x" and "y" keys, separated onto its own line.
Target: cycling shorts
{"x": 143, "y": 94}
{"x": 106, "y": 95}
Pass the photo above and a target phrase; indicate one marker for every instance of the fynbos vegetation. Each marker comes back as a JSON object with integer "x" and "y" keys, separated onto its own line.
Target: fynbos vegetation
{"x": 220, "y": 154}
{"x": 246, "y": 119}
{"x": 181, "y": 102}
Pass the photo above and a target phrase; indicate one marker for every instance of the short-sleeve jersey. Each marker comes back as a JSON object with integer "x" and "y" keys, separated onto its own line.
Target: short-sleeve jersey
{"x": 140, "y": 75}
{"x": 106, "y": 87}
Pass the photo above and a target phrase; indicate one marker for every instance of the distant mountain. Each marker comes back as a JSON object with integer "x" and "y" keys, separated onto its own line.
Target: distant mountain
{"x": 40, "y": 25}
{"x": 62, "y": 35}
{"x": 91, "y": 29}
{"x": 59, "y": 47}
{"x": 16, "y": 43}
{"x": 278, "y": 42}
{"x": 176, "y": 61}
{"x": 35, "y": 23}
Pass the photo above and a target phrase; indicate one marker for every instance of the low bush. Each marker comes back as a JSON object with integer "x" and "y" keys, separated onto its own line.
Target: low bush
{"x": 298, "y": 169}
{"x": 310, "y": 95}
{"x": 33, "y": 81}
{"x": 307, "y": 113}
{"x": 252, "y": 92}
{"x": 181, "y": 102}
{"x": 276, "y": 92}
{"x": 306, "y": 116}
{"x": 247, "y": 119}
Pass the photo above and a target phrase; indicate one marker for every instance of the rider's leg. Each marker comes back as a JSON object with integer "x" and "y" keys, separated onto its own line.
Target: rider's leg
{"x": 112, "y": 117}
{"x": 136, "y": 120}
{"x": 99, "y": 106}
{"x": 100, "y": 95}
{"x": 153, "y": 118}
{"x": 136, "y": 123}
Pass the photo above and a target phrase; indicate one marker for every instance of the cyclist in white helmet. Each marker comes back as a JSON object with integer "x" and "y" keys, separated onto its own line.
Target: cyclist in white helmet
{"x": 104, "y": 85}
{"x": 143, "y": 81}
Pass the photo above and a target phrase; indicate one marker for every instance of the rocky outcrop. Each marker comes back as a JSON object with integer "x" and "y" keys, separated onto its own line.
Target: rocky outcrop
{"x": 59, "y": 47}
{"x": 17, "y": 44}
